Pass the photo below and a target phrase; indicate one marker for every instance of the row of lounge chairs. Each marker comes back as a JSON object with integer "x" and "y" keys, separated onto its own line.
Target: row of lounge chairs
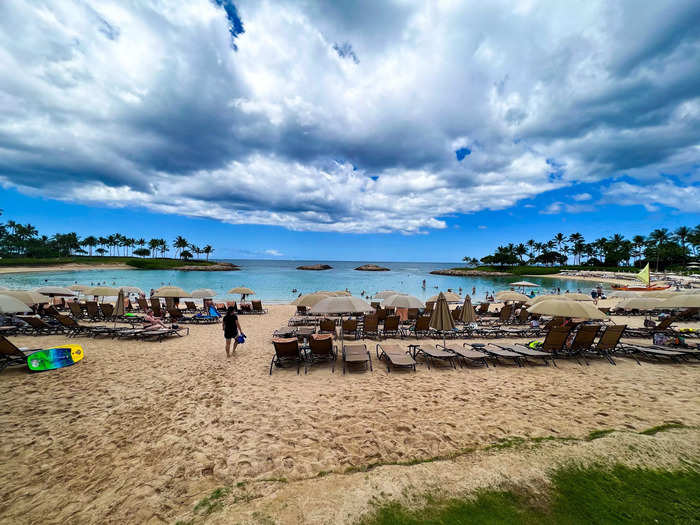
{"x": 320, "y": 349}
{"x": 254, "y": 307}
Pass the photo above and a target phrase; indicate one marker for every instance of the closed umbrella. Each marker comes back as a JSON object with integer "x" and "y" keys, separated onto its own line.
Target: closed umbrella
{"x": 682, "y": 301}
{"x": 467, "y": 315}
{"x": 509, "y": 295}
{"x": 119, "y": 307}
{"x": 556, "y": 308}
{"x": 402, "y": 301}
{"x": 171, "y": 291}
{"x": 442, "y": 318}
{"x": 55, "y": 291}
{"x": 341, "y": 305}
{"x": 203, "y": 293}
{"x": 11, "y": 305}
{"x": 449, "y": 297}
{"x": 29, "y": 298}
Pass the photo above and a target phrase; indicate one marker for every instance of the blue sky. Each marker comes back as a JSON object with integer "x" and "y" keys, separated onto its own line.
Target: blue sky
{"x": 353, "y": 130}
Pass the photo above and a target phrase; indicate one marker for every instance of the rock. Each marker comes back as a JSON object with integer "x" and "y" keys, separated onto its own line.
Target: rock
{"x": 469, "y": 273}
{"x": 372, "y": 268}
{"x": 315, "y": 267}
{"x": 218, "y": 267}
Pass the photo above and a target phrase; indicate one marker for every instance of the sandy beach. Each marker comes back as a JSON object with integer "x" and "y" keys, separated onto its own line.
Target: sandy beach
{"x": 64, "y": 268}
{"x": 140, "y": 432}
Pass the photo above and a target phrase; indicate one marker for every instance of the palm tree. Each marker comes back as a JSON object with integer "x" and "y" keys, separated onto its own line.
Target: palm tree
{"x": 180, "y": 243}
{"x": 153, "y": 245}
{"x": 207, "y": 250}
{"x": 576, "y": 240}
{"x": 559, "y": 239}
{"x": 638, "y": 242}
{"x": 681, "y": 235}
{"x": 659, "y": 237}
{"x": 520, "y": 250}
{"x": 90, "y": 241}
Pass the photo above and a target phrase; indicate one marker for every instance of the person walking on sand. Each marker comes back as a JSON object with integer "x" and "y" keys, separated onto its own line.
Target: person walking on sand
{"x": 231, "y": 328}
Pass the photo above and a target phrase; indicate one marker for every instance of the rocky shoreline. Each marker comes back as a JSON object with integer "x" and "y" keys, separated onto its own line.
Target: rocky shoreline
{"x": 371, "y": 268}
{"x": 218, "y": 267}
{"x": 315, "y": 267}
{"x": 470, "y": 273}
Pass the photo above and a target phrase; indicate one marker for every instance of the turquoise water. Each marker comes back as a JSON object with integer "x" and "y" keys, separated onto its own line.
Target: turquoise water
{"x": 273, "y": 281}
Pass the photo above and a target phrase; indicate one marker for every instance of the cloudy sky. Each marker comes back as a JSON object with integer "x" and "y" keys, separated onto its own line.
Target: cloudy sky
{"x": 323, "y": 128}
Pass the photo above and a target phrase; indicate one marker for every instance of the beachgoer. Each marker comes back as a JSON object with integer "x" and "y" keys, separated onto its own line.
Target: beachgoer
{"x": 231, "y": 328}
{"x": 153, "y": 322}
{"x": 473, "y": 290}
{"x": 594, "y": 296}
{"x": 152, "y": 292}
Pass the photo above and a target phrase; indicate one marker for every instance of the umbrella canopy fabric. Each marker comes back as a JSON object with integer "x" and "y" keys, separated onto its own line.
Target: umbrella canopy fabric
{"x": 11, "y": 305}
{"x": 242, "y": 290}
{"x": 119, "y": 307}
{"x": 641, "y": 303}
{"x": 449, "y": 297}
{"x": 55, "y": 291}
{"x": 79, "y": 287}
{"x": 341, "y": 293}
{"x": 467, "y": 315}
{"x": 171, "y": 291}
{"x": 525, "y": 283}
{"x": 402, "y": 301}
{"x": 556, "y": 308}
{"x": 682, "y": 301}
{"x": 442, "y": 317}
{"x": 310, "y": 299}
{"x": 203, "y": 293}
{"x": 340, "y": 305}
{"x": 383, "y": 295}
{"x": 508, "y": 295}
{"x": 562, "y": 297}
{"x": 29, "y": 298}
{"x": 131, "y": 289}
{"x": 102, "y": 291}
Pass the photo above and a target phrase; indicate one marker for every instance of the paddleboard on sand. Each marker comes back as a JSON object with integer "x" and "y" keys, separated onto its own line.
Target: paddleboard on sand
{"x": 52, "y": 358}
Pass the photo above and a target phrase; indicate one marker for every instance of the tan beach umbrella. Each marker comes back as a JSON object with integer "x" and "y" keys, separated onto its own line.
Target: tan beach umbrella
{"x": 641, "y": 303}
{"x": 342, "y": 293}
{"x": 450, "y": 297}
{"x": 10, "y": 305}
{"x": 682, "y": 301}
{"x": 340, "y": 305}
{"x": 526, "y": 284}
{"x": 508, "y": 295}
{"x": 242, "y": 290}
{"x": 119, "y": 307}
{"x": 310, "y": 299}
{"x": 556, "y": 308}
{"x": 131, "y": 289}
{"x": 384, "y": 294}
{"x": 402, "y": 301}
{"x": 467, "y": 315}
{"x": 102, "y": 291}
{"x": 442, "y": 317}
{"x": 174, "y": 292}
{"x": 29, "y": 298}
{"x": 562, "y": 297}
{"x": 55, "y": 291}
{"x": 79, "y": 287}
{"x": 204, "y": 293}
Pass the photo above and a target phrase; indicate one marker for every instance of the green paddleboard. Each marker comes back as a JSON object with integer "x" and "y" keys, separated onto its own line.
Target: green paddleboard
{"x": 52, "y": 358}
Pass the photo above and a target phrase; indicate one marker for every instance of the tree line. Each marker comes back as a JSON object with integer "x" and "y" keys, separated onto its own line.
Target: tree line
{"x": 662, "y": 248}
{"x": 24, "y": 240}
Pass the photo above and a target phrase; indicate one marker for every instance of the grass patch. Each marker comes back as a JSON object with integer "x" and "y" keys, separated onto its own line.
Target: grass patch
{"x": 164, "y": 264}
{"x": 661, "y": 428}
{"x": 597, "y": 434}
{"x": 577, "y": 496}
{"x": 212, "y": 503}
{"x": 135, "y": 262}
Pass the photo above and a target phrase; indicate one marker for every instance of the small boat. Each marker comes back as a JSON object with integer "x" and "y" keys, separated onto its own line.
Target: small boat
{"x": 645, "y": 278}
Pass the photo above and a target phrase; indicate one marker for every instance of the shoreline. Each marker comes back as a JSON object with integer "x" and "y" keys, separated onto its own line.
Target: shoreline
{"x": 64, "y": 268}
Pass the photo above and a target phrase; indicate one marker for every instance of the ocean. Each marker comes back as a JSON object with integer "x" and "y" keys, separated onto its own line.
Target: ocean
{"x": 274, "y": 281}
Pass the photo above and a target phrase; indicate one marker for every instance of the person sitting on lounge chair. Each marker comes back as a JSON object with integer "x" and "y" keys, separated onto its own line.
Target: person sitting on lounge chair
{"x": 152, "y": 322}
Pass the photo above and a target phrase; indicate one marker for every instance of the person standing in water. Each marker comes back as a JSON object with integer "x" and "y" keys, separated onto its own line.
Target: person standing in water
{"x": 231, "y": 328}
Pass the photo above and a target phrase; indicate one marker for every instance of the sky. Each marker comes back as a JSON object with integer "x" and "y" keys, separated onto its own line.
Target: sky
{"x": 361, "y": 130}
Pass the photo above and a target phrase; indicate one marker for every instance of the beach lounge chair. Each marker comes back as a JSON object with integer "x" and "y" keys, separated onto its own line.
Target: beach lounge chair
{"x": 654, "y": 353}
{"x": 526, "y": 352}
{"x": 648, "y": 331}
{"x": 582, "y": 342}
{"x": 523, "y": 316}
{"x": 429, "y": 306}
{"x": 370, "y": 326}
{"x": 11, "y": 355}
{"x": 326, "y": 326}
{"x": 465, "y": 355}
{"x": 381, "y": 314}
{"x": 107, "y": 310}
{"x": 143, "y": 304}
{"x": 430, "y": 355}
{"x": 41, "y": 327}
{"x": 395, "y": 356}
{"x": 391, "y": 326}
{"x": 607, "y": 344}
{"x": 421, "y": 327}
{"x": 302, "y": 310}
{"x": 413, "y": 314}
{"x": 349, "y": 327}
{"x": 93, "y": 311}
{"x": 287, "y": 351}
{"x": 75, "y": 310}
{"x": 156, "y": 307}
{"x": 160, "y": 334}
{"x": 190, "y": 306}
{"x": 212, "y": 316}
{"x": 483, "y": 309}
{"x": 497, "y": 353}
{"x": 73, "y": 329}
{"x": 356, "y": 354}
{"x": 321, "y": 349}
{"x": 258, "y": 307}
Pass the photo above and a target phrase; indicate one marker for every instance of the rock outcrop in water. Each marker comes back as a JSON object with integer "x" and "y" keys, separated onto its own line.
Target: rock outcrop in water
{"x": 315, "y": 267}
{"x": 469, "y": 273}
{"x": 372, "y": 268}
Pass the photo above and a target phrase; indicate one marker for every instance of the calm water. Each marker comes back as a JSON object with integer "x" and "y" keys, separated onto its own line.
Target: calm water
{"x": 273, "y": 281}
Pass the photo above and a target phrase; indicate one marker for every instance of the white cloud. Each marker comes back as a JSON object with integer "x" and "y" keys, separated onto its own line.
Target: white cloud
{"x": 582, "y": 197}
{"x": 682, "y": 198}
{"x": 482, "y": 227}
{"x": 274, "y": 253}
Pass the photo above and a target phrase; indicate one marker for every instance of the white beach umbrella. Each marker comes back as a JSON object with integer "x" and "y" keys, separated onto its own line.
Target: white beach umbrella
{"x": 79, "y": 287}
{"x": 174, "y": 292}
{"x": 641, "y": 303}
{"x": 402, "y": 301}
{"x": 203, "y": 293}
{"x": 340, "y": 305}
{"x": 450, "y": 297}
{"x": 556, "y": 308}
{"x": 10, "y": 305}
{"x": 508, "y": 295}
{"x": 131, "y": 289}
{"x": 310, "y": 299}
{"x": 102, "y": 291}
{"x": 30, "y": 298}
{"x": 682, "y": 301}
{"x": 55, "y": 291}
{"x": 382, "y": 295}
{"x": 242, "y": 290}
{"x": 525, "y": 284}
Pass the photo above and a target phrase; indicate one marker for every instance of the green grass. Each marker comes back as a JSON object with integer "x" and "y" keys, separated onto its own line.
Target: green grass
{"x": 661, "y": 428}
{"x": 164, "y": 264}
{"x": 136, "y": 262}
{"x": 212, "y": 503}
{"x": 577, "y": 496}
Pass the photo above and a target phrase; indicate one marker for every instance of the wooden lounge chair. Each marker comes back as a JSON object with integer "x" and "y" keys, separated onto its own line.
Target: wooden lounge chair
{"x": 349, "y": 327}
{"x": 497, "y": 353}
{"x": 526, "y": 352}
{"x": 391, "y": 326}
{"x": 326, "y": 326}
{"x": 607, "y": 344}
{"x": 11, "y": 355}
{"x": 421, "y": 327}
{"x": 258, "y": 307}
{"x": 395, "y": 356}
{"x": 370, "y": 326}
{"x": 465, "y": 355}
{"x": 321, "y": 349}
{"x": 190, "y": 306}
{"x": 431, "y": 354}
{"x": 287, "y": 351}
{"x": 160, "y": 334}
{"x": 582, "y": 342}
{"x": 41, "y": 327}
{"x": 73, "y": 329}
{"x": 75, "y": 310}
{"x": 653, "y": 353}
{"x": 356, "y": 354}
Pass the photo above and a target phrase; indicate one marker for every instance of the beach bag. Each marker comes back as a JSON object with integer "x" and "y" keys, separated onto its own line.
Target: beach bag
{"x": 535, "y": 344}
{"x": 240, "y": 339}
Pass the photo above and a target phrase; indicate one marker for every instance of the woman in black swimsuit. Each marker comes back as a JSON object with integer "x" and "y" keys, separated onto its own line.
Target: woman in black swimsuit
{"x": 231, "y": 328}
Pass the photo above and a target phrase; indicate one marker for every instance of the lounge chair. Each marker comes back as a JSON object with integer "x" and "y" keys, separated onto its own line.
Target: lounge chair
{"x": 497, "y": 353}
{"x": 287, "y": 351}
{"x": 429, "y": 307}
{"x": 75, "y": 310}
{"x": 74, "y": 329}
{"x": 356, "y": 354}
{"x": 93, "y": 311}
{"x": 431, "y": 354}
{"x": 156, "y": 307}
{"x": 41, "y": 327}
{"x": 648, "y": 331}
{"x": 258, "y": 307}
{"x": 190, "y": 306}
{"x": 326, "y": 326}
{"x": 143, "y": 304}
{"x": 321, "y": 349}
{"x": 651, "y": 352}
{"x": 370, "y": 326}
{"x": 245, "y": 308}
{"x": 11, "y": 355}
{"x": 159, "y": 334}
{"x": 466, "y": 355}
{"x": 107, "y": 310}
{"x": 526, "y": 352}
{"x": 391, "y": 326}
{"x": 413, "y": 314}
{"x": 523, "y": 316}
{"x": 302, "y": 310}
{"x": 607, "y": 344}
{"x": 211, "y": 317}
{"x": 395, "y": 356}
{"x": 483, "y": 309}
{"x": 349, "y": 327}
{"x": 582, "y": 342}
{"x": 421, "y": 327}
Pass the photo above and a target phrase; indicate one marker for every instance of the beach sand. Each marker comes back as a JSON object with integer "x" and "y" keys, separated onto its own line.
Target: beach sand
{"x": 64, "y": 268}
{"x": 140, "y": 432}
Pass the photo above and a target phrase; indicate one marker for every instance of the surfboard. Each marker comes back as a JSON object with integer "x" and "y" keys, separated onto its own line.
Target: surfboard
{"x": 52, "y": 358}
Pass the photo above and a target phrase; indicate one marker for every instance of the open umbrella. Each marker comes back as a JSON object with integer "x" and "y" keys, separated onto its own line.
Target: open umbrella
{"x": 467, "y": 315}
{"x": 556, "y": 308}
{"x": 562, "y": 297}
{"x": 641, "y": 303}
{"x": 450, "y": 297}
{"x": 29, "y": 298}
{"x": 442, "y": 318}
{"x": 55, "y": 291}
{"x": 131, "y": 289}
{"x": 682, "y": 301}
{"x": 508, "y": 295}
{"x": 102, "y": 291}
{"x": 204, "y": 293}
{"x": 243, "y": 290}
{"x": 10, "y": 305}
{"x": 310, "y": 299}
{"x": 171, "y": 291}
{"x": 525, "y": 284}
{"x": 79, "y": 287}
{"x": 340, "y": 305}
{"x": 402, "y": 301}
{"x": 384, "y": 294}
